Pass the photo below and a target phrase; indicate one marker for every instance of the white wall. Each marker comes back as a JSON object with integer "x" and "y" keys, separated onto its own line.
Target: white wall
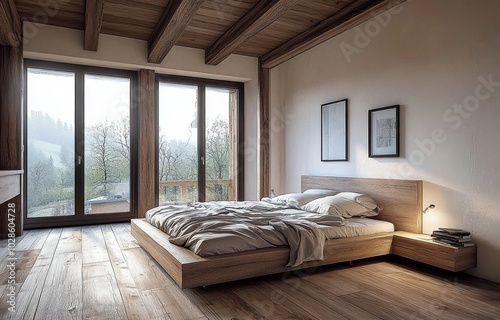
{"x": 431, "y": 57}
{"x": 66, "y": 45}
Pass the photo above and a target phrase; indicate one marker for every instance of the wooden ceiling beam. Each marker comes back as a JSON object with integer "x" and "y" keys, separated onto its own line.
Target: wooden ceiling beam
{"x": 10, "y": 24}
{"x": 347, "y": 18}
{"x": 174, "y": 20}
{"x": 260, "y": 16}
{"x": 94, "y": 12}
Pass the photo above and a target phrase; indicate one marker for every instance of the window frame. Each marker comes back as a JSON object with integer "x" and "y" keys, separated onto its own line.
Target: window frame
{"x": 80, "y": 218}
{"x": 202, "y": 84}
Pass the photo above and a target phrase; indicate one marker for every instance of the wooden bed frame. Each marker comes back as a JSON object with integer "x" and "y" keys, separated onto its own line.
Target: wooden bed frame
{"x": 401, "y": 200}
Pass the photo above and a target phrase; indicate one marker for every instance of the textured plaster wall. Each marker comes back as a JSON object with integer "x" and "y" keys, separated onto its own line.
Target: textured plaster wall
{"x": 439, "y": 60}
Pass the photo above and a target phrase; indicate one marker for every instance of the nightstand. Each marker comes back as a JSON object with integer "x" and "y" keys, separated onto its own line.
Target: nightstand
{"x": 420, "y": 247}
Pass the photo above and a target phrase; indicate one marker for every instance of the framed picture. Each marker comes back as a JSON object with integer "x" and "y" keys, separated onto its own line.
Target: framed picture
{"x": 383, "y": 132}
{"x": 334, "y": 131}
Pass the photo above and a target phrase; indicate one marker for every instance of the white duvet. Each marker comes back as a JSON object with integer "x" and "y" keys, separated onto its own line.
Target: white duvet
{"x": 212, "y": 228}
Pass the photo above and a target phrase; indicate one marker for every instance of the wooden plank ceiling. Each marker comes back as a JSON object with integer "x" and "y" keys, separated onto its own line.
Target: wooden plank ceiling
{"x": 273, "y": 30}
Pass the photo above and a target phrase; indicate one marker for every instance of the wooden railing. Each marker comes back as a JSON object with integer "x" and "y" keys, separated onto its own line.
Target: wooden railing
{"x": 184, "y": 184}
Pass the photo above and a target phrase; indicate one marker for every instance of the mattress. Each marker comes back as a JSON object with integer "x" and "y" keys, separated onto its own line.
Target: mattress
{"x": 214, "y": 228}
{"x": 357, "y": 227}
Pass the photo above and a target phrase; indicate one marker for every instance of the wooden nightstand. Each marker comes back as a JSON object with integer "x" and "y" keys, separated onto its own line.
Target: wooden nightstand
{"x": 420, "y": 247}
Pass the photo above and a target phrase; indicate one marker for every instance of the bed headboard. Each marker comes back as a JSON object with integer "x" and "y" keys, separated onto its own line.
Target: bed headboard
{"x": 401, "y": 199}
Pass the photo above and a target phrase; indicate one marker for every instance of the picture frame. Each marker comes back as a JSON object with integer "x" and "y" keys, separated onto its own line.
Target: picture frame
{"x": 383, "y": 132}
{"x": 334, "y": 133}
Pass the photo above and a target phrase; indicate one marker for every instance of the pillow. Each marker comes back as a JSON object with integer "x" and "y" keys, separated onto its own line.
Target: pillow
{"x": 295, "y": 200}
{"x": 338, "y": 206}
{"x": 324, "y": 192}
{"x": 362, "y": 199}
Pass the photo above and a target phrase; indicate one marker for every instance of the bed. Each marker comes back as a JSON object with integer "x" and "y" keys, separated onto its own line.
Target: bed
{"x": 401, "y": 200}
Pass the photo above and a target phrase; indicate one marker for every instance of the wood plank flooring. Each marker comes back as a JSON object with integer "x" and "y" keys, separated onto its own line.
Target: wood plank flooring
{"x": 99, "y": 272}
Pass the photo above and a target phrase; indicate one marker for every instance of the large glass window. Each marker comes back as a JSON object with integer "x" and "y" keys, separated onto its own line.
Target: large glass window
{"x": 107, "y": 144}
{"x": 220, "y": 143}
{"x": 79, "y": 138}
{"x": 178, "y": 143}
{"x": 51, "y": 143}
{"x": 198, "y": 140}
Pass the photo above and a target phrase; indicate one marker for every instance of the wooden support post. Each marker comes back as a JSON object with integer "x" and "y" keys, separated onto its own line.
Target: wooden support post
{"x": 264, "y": 137}
{"x": 11, "y": 115}
{"x": 147, "y": 145}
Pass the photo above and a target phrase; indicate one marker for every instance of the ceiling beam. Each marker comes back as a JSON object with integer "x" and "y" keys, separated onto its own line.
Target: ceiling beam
{"x": 94, "y": 12}
{"x": 347, "y": 18}
{"x": 10, "y": 24}
{"x": 174, "y": 20}
{"x": 260, "y": 16}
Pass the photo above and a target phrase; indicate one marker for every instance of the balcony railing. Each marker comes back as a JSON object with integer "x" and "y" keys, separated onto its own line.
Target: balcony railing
{"x": 184, "y": 184}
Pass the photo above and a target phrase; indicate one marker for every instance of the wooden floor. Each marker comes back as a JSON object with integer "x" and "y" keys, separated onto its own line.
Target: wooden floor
{"x": 99, "y": 272}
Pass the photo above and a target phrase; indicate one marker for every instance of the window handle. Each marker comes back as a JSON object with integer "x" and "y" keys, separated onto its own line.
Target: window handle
{"x": 79, "y": 160}
{"x": 203, "y": 160}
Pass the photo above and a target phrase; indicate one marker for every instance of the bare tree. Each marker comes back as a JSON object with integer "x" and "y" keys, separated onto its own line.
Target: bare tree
{"x": 217, "y": 154}
{"x": 101, "y": 169}
{"x": 122, "y": 133}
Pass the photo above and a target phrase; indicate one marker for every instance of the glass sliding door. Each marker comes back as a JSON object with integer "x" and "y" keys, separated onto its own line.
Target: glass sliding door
{"x": 107, "y": 144}
{"x": 178, "y": 143}
{"x": 80, "y": 164}
{"x": 199, "y": 136}
{"x": 220, "y": 143}
{"x": 50, "y": 134}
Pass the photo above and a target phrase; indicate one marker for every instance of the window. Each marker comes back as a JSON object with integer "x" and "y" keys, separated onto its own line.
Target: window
{"x": 199, "y": 138}
{"x": 80, "y": 137}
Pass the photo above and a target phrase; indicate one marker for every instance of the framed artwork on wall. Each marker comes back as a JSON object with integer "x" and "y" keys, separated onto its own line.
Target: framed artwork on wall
{"x": 383, "y": 132}
{"x": 334, "y": 131}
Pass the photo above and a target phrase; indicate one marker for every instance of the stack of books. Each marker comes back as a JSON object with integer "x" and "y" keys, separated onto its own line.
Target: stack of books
{"x": 454, "y": 237}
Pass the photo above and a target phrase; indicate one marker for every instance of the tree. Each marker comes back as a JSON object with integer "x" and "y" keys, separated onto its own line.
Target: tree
{"x": 177, "y": 160}
{"x": 42, "y": 181}
{"x": 121, "y": 146}
{"x": 102, "y": 158}
{"x": 122, "y": 133}
{"x": 218, "y": 157}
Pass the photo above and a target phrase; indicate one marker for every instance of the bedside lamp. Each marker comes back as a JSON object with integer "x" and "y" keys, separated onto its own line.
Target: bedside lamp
{"x": 431, "y": 206}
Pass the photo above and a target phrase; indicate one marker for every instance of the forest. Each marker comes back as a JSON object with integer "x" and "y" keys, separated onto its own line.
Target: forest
{"x": 107, "y": 151}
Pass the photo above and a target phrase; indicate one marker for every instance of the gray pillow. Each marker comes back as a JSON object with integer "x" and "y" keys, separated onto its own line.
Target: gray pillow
{"x": 324, "y": 192}
{"x": 295, "y": 200}
{"x": 338, "y": 206}
{"x": 362, "y": 199}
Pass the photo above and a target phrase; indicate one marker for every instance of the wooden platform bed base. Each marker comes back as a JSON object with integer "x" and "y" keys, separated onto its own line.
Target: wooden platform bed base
{"x": 402, "y": 204}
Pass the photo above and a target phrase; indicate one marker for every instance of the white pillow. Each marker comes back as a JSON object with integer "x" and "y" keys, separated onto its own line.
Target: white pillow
{"x": 295, "y": 200}
{"x": 362, "y": 199}
{"x": 324, "y": 192}
{"x": 338, "y": 206}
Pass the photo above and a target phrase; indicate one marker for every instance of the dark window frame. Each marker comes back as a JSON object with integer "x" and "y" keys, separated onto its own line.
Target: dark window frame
{"x": 80, "y": 218}
{"x": 202, "y": 84}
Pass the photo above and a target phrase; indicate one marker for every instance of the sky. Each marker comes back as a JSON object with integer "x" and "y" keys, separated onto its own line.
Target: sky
{"x": 53, "y": 93}
{"x": 108, "y": 98}
{"x": 177, "y": 109}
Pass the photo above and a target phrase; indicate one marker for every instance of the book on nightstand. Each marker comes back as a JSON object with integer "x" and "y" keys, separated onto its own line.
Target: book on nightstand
{"x": 453, "y": 237}
{"x": 453, "y": 231}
